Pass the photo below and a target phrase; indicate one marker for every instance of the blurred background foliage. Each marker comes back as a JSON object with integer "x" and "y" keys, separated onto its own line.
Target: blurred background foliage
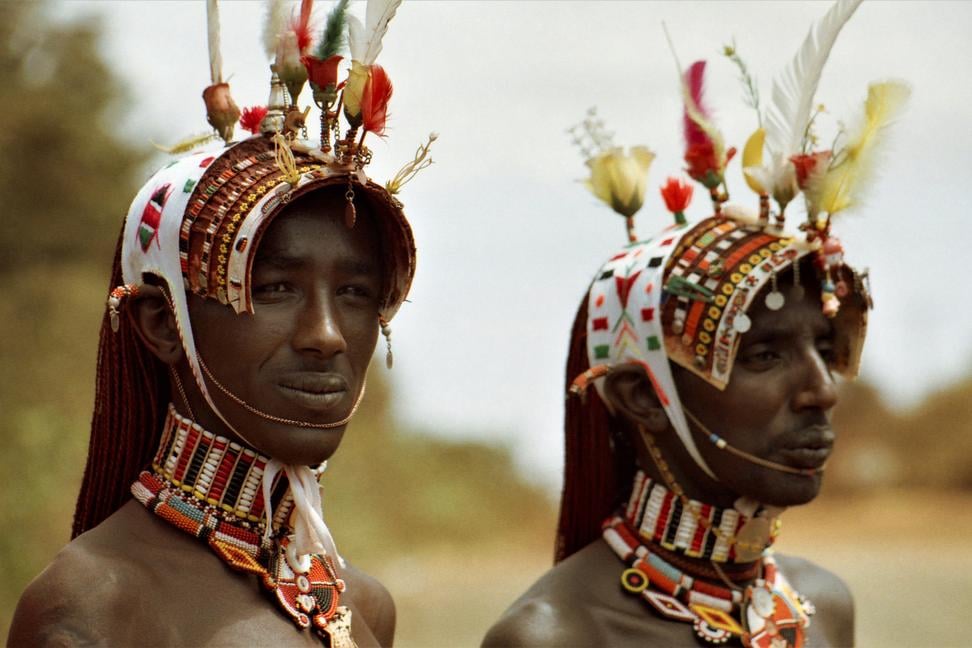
{"x": 452, "y": 528}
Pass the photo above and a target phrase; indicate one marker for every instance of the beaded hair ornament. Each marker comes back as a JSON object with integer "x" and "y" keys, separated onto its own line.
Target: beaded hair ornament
{"x": 683, "y": 294}
{"x": 198, "y": 222}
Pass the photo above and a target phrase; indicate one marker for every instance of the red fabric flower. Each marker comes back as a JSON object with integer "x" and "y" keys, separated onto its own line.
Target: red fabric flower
{"x": 322, "y": 73}
{"x": 806, "y": 164}
{"x": 252, "y": 117}
{"x": 677, "y": 194}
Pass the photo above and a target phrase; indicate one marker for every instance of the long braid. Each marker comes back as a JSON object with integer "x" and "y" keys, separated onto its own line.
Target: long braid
{"x": 598, "y": 466}
{"x": 131, "y": 393}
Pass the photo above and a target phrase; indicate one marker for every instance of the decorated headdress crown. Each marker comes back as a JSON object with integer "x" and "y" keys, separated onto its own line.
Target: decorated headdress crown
{"x": 683, "y": 294}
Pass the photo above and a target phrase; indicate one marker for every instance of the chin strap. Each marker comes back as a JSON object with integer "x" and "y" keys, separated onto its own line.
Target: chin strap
{"x": 722, "y": 444}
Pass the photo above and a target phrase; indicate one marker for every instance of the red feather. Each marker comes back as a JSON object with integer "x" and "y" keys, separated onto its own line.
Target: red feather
{"x": 374, "y": 101}
{"x": 251, "y": 118}
{"x": 694, "y": 80}
{"x": 301, "y": 26}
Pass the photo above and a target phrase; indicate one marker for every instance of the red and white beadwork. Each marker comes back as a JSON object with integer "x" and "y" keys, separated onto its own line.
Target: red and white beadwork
{"x": 770, "y": 613}
{"x": 199, "y": 485}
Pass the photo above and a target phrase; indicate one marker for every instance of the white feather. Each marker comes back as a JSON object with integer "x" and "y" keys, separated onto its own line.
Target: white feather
{"x": 274, "y": 25}
{"x": 365, "y": 40}
{"x": 793, "y": 93}
{"x": 212, "y": 29}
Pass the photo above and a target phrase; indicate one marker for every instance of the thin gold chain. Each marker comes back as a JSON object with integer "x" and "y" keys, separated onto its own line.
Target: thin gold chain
{"x": 277, "y": 419}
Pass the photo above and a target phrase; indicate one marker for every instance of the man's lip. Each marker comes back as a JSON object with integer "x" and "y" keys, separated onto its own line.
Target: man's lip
{"x": 314, "y": 382}
{"x": 809, "y": 448}
{"x": 314, "y": 391}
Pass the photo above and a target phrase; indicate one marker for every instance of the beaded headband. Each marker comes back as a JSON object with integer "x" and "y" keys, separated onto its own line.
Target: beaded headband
{"x": 197, "y": 223}
{"x": 683, "y": 295}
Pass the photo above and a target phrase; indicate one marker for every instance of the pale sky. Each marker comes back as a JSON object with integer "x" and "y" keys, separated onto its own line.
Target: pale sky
{"x": 508, "y": 239}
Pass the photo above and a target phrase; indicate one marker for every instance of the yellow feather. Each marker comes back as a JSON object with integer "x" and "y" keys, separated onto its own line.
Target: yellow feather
{"x": 752, "y": 156}
{"x": 187, "y": 144}
{"x": 840, "y": 186}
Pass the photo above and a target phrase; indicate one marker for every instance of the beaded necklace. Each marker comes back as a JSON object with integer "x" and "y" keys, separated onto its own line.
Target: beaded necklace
{"x": 693, "y": 528}
{"x": 768, "y": 613}
{"x": 209, "y": 487}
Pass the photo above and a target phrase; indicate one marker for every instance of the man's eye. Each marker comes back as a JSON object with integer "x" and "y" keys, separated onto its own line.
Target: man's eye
{"x": 356, "y": 290}
{"x": 272, "y": 287}
{"x": 760, "y": 357}
{"x": 826, "y": 351}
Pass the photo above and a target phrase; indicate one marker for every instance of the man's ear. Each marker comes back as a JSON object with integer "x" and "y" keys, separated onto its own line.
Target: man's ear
{"x": 629, "y": 393}
{"x": 155, "y": 324}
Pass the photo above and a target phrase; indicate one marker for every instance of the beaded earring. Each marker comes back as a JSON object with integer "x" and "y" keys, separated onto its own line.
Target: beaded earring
{"x": 115, "y": 300}
{"x": 386, "y": 331}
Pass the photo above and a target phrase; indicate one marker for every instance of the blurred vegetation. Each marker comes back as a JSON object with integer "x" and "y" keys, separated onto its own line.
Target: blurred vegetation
{"x": 65, "y": 182}
{"x": 927, "y": 446}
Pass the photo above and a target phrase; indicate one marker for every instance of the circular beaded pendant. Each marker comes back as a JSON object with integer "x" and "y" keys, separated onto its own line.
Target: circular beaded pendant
{"x": 709, "y": 634}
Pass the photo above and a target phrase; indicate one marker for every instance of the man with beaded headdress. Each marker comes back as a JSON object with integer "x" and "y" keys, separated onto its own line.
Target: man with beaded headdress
{"x": 700, "y": 386}
{"x": 249, "y": 286}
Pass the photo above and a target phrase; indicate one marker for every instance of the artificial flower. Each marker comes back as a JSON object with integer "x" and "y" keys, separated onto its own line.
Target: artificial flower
{"x": 620, "y": 179}
{"x": 251, "y": 118}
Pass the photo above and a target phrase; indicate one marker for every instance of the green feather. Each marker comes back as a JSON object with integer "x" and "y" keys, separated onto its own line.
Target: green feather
{"x": 333, "y": 39}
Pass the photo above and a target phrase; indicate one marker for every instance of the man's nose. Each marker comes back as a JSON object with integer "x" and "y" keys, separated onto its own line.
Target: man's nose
{"x": 319, "y": 327}
{"x": 817, "y": 389}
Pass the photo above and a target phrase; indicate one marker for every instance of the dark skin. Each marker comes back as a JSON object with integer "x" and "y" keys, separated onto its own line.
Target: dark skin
{"x": 135, "y": 579}
{"x": 777, "y": 406}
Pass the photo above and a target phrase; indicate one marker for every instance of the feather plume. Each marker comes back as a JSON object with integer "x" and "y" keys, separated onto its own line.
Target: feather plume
{"x": 374, "y": 101}
{"x": 697, "y": 121}
{"x": 274, "y": 24}
{"x": 212, "y": 29}
{"x": 187, "y": 144}
{"x": 301, "y": 25}
{"x": 789, "y": 111}
{"x": 840, "y": 186}
{"x": 333, "y": 38}
{"x": 365, "y": 39}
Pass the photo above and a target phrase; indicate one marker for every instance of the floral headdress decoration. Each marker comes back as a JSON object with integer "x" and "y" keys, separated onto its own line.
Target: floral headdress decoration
{"x": 683, "y": 294}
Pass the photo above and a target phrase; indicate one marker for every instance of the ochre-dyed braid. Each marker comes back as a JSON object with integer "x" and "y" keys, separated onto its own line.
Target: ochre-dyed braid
{"x": 131, "y": 394}
{"x": 597, "y": 473}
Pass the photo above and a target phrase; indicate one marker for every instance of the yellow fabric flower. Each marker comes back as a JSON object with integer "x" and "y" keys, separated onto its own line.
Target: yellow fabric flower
{"x": 620, "y": 179}
{"x": 354, "y": 88}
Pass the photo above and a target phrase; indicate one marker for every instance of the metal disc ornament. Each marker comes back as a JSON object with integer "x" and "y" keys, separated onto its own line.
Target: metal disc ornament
{"x": 761, "y": 601}
{"x": 775, "y": 300}
{"x": 752, "y": 539}
{"x": 742, "y": 323}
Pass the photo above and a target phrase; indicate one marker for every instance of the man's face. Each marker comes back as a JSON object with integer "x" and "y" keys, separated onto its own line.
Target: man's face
{"x": 304, "y": 352}
{"x": 778, "y": 402}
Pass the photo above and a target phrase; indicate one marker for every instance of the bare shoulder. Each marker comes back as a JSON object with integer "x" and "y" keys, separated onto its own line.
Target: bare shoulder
{"x": 556, "y": 610}
{"x": 372, "y": 601}
{"x": 76, "y": 600}
{"x": 539, "y": 619}
{"x": 829, "y": 594}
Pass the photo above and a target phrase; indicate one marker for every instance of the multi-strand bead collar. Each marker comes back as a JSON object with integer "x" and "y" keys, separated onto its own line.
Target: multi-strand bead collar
{"x": 210, "y": 488}
{"x": 692, "y": 528}
{"x": 657, "y": 533}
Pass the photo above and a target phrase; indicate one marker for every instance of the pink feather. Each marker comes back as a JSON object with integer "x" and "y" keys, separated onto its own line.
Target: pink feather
{"x": 695, "y": 81}
{"x": 301, "y": 26}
